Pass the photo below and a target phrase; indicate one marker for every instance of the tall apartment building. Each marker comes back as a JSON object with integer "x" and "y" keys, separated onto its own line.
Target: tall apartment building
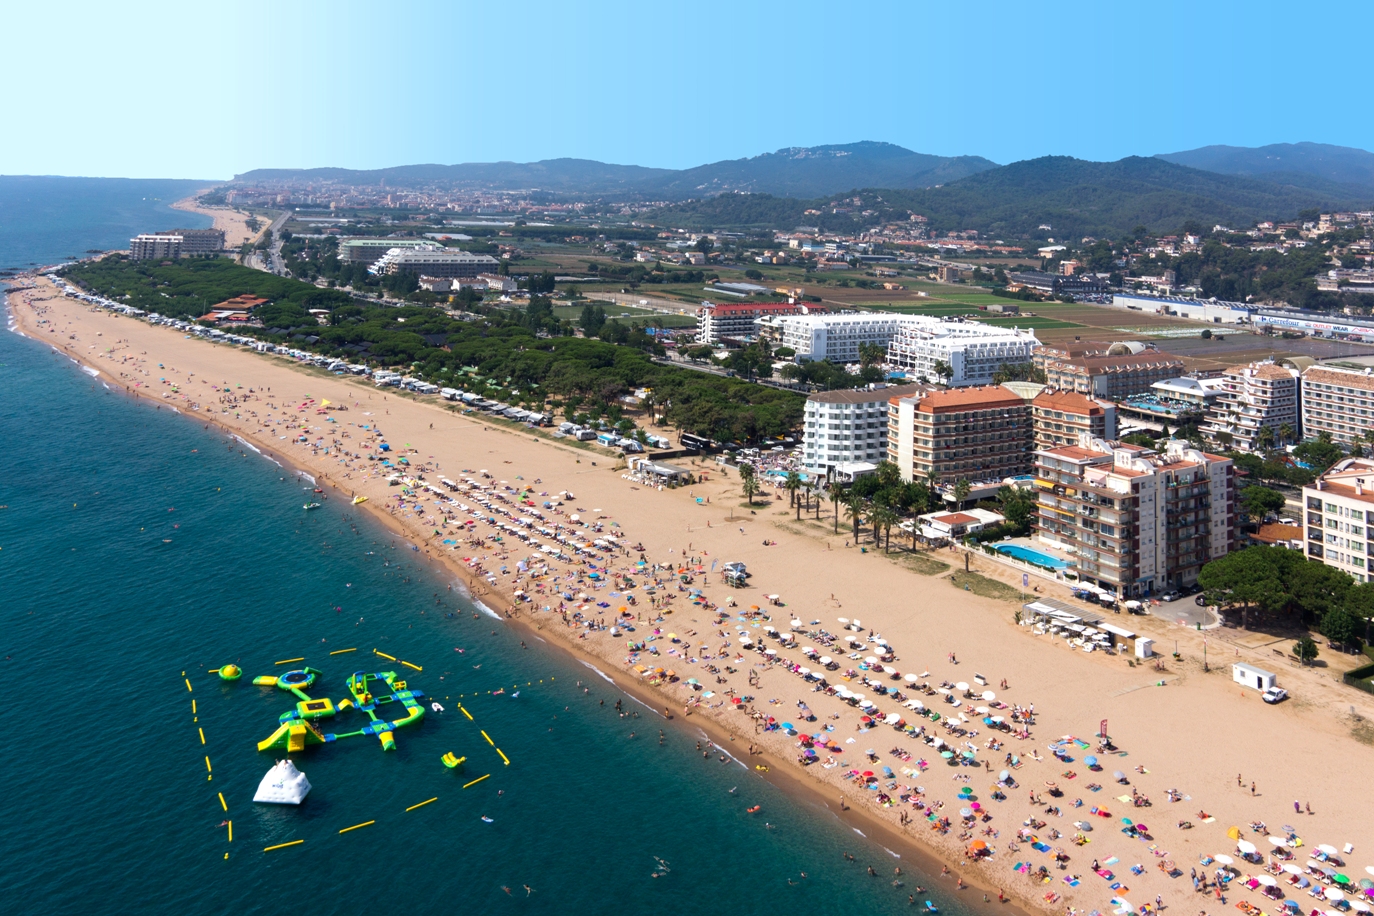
{"x": 1061, "y": 417}
{"x": 151, "y": 246}
{"x": 738, "y": 320}
{"x": 199, "y": 241}
{"x": 1253, "y": 397}
{"x": 973, "y": 434}
{"x": 846, "y": 426}
{"x": 833, "y": 337}
{"x": 973, "y": 351}
{"x": 1339, "y": 512}
{"x": 1337, "y": 401}
{"x": 1138, "y": 522}
{"x": 1113, "y": 376}
{"x": 435, "y": 262}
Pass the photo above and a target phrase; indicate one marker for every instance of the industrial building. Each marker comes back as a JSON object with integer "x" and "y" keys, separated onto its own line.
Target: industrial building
{"x": 1136, "y": 521}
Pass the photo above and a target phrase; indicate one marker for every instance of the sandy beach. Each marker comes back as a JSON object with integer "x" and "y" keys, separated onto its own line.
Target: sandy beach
{"x": 234, "y": 223}
{"x": 1179, "y": 732}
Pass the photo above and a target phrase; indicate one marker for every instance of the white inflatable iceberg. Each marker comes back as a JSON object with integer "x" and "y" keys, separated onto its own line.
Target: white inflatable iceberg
{"x": 283, "y": 785}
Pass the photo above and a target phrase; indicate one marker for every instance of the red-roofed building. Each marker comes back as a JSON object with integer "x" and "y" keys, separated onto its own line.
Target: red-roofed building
{"x": 735, "y": 320}
{"x": 978, "y": 434}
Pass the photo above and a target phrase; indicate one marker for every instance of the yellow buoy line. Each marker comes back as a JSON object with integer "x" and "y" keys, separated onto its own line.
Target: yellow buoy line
{"x": 224, "y": 804}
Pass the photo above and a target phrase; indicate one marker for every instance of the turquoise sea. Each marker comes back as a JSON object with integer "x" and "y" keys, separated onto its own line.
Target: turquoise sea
{"x": 46, "y": 219}
{"x": 136, "y": 545}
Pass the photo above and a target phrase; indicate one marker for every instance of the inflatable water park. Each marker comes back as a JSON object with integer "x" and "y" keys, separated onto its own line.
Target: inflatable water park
{"x": 376, "y": 694}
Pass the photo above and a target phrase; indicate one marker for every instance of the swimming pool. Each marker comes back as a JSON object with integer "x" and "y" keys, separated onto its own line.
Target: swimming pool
{"x": 1034, "y": 557}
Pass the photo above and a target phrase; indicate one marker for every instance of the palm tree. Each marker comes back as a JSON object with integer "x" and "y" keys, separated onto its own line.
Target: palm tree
{"x": 836, "y": 494}
{"x": 1264, "y": 439}
{"x": 1285, "y": 433}
{"x": 883, "y": 516}
{"x": 792, "y": 484}
{"x": 933, "y": 485}
{"x": 855, "y": 507}
{"x": 748, "y": 481}
{"x": 961, "y": 491}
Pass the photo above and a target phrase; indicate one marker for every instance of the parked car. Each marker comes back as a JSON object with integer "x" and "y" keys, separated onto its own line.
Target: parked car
{"x": 1200, "y": 600}
{"x": 1275, "y": 695}
{"x": 1169, "y": 596}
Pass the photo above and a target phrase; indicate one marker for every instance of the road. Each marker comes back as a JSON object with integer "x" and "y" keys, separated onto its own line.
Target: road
{"x": 270, "y": 260}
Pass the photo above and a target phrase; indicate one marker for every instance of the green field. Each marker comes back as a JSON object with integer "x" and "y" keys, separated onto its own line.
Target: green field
{"x": 628, "y": 313}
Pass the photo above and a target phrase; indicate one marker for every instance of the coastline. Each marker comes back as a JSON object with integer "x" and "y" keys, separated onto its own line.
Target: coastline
{"x": 776, "y": 751}
{"x": 231, "y": 221}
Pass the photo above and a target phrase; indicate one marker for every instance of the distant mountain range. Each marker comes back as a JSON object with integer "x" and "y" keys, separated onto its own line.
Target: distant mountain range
{"x": 1214, "y": 184}
{"x": 1071, "y": 196}
{"x": 794, "y": 172}
{"x": 1284, "y": 162}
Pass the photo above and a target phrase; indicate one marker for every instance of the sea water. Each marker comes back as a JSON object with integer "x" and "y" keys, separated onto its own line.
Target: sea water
{"x": 47, "y": 219}
{"x": 139, "y": 549}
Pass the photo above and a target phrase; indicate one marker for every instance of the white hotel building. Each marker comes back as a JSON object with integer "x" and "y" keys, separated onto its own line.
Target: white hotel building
{"x": 832, "y": 337}
{"x": 843, "y": 427}
{"x": 973, "y": 351}
{"x": 1339, "y": 511}
{"x": 913, "y": 342}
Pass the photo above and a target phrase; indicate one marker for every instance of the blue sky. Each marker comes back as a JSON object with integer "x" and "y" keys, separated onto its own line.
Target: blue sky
{"x": 200, "y": 90}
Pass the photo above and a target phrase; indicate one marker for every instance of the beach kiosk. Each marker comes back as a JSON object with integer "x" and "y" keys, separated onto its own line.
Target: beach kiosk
{"x": 1250, "y": 676}
{"x": 1144, "y": 647}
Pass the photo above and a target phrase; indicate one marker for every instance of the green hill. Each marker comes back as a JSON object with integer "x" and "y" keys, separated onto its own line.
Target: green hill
{"x": 1072, "y": 196}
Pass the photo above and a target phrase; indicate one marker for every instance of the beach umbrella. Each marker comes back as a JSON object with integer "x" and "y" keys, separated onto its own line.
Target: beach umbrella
{"x": 1370, "y": 869}
{"x": 787, "y": 726}
{"x": 1225, "y": 860}
{"x": 1359, "y": 906}
{"x": 1090, "y": 760}
{"x": 1341, "y": 879}
{"x": 1117, "y": 774}
{"x": 1366, "y": 883}
{"x": 796, "y": 624}
{"x": 1292, "y": 869}
{"x": 962, "y": 686}
{"x": 888, "y": 669}
{"x": 989, "y": 696}
{"x": 827, "y": 660}
{"x": 1266, "y": 880}
{"x": 1328, "y": 849}
{"x": 1127, "y": 821}
{"x": 1276, "y": 841}
{"x": 965, "y": 812}
{"x": 871, "y": 660}
{"x": 1333, "y": 894}
{"x": 911, "y": 678}
{"x": 842, "y": 619}
{"x": 982, "y": 710}
{"x": 1003, "y": 776}
{"x": 1245, "y": 846}
{"x": 947, "y": 754}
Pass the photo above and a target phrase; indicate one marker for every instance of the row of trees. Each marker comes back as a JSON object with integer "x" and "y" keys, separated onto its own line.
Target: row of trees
{"x": 1284, "y": 583}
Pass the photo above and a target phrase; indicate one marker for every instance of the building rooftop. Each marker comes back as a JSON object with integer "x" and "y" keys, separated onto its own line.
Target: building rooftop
{"x": 1266, "y": 370}
{"x": 1343, "y": 377}
{"x": 866, "y": 395}
{"x": 1125, "y": 362}
{"x": 1069, "y": 402}
{"x": 1274, "y": 533}
{"x": 988, "y": 397}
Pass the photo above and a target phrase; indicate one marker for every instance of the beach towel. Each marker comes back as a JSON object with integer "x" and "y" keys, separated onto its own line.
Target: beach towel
{"x": 1124, "y": 798}
{"x": 1071, "y": 881}
{"x": 1105, "y": 873}
{"x": 1137, "y": 869}
{"x": 1041, "y": 847}
{"x": 1116, "y": 886}
{"x": 1112, "y": 861}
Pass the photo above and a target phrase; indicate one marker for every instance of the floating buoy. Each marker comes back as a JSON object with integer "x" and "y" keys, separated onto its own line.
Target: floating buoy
{"x": 230, "y": 673}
